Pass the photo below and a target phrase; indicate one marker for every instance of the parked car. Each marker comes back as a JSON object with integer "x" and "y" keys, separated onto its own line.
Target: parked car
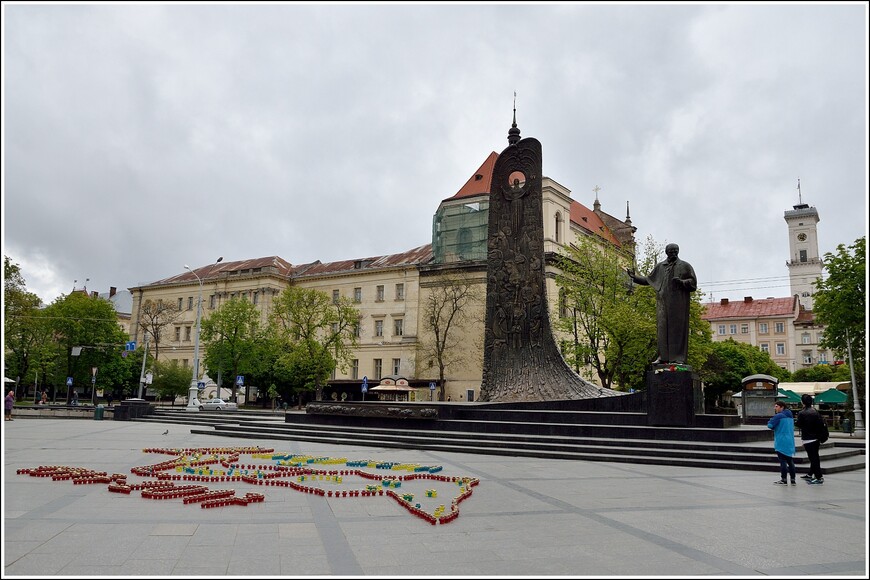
{"x": 217, "y": 405}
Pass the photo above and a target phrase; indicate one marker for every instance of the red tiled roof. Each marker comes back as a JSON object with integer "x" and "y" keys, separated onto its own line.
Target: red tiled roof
{"x": 282, "y": 267}
{"x": 478, "y": 184}
{"x": 418, "y": 255}
{"x": 750, "y": 308}
{"x": 589, "y": 220}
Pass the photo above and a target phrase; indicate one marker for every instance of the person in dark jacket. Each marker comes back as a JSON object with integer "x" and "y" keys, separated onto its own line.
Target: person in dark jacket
{"x": 811, "y": 425}
{"x": 782, "y": 424}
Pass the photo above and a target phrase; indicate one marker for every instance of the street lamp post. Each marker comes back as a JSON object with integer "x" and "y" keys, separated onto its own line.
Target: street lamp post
{"x": 193, "y": 391}
{"x": 856, "y": 403}
{"x": 142, "y": 374}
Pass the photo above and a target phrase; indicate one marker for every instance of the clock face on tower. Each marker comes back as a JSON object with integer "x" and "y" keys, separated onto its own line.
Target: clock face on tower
{"x": 802, "y": 237}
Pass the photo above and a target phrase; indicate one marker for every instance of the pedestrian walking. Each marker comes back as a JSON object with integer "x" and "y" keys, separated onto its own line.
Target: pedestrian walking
{"x": 10, "y": 403}
{"x": 814, "y": 432}
{"x": 782, "y": 424}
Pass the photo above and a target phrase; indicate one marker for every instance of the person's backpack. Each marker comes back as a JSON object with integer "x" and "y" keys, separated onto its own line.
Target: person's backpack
{"x": 823, "y": 432}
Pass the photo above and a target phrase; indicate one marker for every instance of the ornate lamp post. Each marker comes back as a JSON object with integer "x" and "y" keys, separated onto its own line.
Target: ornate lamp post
{"x": 859, "y": 416}
{"x": 193, "y": 391}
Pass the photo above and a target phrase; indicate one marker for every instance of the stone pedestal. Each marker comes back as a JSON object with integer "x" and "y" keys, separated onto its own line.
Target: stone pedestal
{"x": 673, "y": 397}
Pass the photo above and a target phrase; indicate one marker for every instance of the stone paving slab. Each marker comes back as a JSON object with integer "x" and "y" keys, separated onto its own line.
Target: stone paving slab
{"x": 528, "y": 517}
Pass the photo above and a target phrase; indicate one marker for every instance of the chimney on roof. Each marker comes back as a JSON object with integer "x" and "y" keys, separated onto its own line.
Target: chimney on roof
{"x": 747, "y": 299}
{"x": 724, "y": 302}
{"x": 112, "y": 291}
{"x": 94, "y": 294}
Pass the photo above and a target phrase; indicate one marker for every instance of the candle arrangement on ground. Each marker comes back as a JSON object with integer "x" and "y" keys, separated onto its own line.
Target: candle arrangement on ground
{"x": 328, "y": 477}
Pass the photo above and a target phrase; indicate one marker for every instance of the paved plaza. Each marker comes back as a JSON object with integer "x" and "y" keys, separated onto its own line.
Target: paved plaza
{"x": 527, "y": 517}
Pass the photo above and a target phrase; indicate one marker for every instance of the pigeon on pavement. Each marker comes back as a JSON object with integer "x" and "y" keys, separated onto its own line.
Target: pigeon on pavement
{"x": 165, "y": 432}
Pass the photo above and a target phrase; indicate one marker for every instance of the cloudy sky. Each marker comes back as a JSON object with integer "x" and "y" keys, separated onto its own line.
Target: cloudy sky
{"x": 140, "y": 138}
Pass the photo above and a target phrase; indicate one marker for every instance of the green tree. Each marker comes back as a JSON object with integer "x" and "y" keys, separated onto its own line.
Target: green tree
{"x": 20, "y": 324}
{"x": 817, "y": 374}
{"x": 607, "y": 322}
{"x": 86, "y": 330}
{"x": 318, "y": 336}
{"x": 839, "y": 303}
{"x": 445, "y": 313}
{"x": 729, "y": 363}
{"x": 231, "y": 334}
{"x": 171, "y": 380}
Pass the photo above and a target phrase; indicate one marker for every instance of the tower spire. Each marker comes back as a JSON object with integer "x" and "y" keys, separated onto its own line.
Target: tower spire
{"x": 514, "y": 132}
{"x": 800, "y": 201}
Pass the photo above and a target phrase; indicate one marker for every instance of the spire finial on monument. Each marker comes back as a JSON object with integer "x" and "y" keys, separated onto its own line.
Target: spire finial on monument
{"x": 514, "y": 132}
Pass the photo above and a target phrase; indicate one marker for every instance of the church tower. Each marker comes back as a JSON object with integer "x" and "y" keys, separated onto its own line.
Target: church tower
{"x": 804, "y": 265}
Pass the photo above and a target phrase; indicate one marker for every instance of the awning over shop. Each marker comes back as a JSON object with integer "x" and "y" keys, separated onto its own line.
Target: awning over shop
{"x": 392, "y": 389}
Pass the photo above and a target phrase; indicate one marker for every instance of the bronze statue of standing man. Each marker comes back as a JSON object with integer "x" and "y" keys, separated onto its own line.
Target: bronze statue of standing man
{"x": 674, "y": 281}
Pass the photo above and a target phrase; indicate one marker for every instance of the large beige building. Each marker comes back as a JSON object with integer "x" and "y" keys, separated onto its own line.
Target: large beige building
{"x": 391, "y": 292}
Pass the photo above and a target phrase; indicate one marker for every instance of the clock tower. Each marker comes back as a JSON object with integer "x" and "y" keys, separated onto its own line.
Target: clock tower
{"x": 804, "y": 264}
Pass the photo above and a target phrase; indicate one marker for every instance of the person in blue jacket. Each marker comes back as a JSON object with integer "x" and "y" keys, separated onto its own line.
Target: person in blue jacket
{"x": 783, "y": 441}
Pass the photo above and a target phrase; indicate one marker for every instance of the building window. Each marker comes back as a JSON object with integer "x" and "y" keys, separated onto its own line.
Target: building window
{"x": 808, "y": 357}
{"x": 211, "y": 301}
{"x": 780, "y": 349}
{"x": 357, "y": 295}
{"x": 744, "y": 329}
{"x": 379, "y": 327}
{"x": 378, "y": 368}
{"x": 805, "y": 338}
{"x": 563, "y": 303}
{"x": 256, "y": 297}
{"x": 184, "y": 362}
{"x": 187, "y": 333}
{"x": 558, "y": 227}
{"x": 379, "y": 294}
{"x": 190, "y": 302}
{"x": 762, "y": 328}
{"x": 765, "y": 347}
{"x": 396, "y": 363}
{"x": 334, "y": 328}
{"x": 335, "y": 296}
{"x": 354, "y": 369}
{"x": 177, "y": 334}
{"x": 180, "y": 304}
{"x": 779, "y": 327}
{"x": 398, "y": 327}
{"x": 357, "y": 330}
{"x": 733, "y": 329}
{"x": 823, "y": 358}
{"x": 721, "y": 329}
{"x": 400, "y": 291}
{"x": 803, "y": 255}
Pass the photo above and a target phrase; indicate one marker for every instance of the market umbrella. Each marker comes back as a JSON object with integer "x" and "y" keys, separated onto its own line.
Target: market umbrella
{"x": 788, "y": 396}
{"x": 831, "y": 397}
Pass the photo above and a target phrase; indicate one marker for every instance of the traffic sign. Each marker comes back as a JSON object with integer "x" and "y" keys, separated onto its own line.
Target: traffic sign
{"x": 431, "y": 386}
{"x": 93, "y": 380}
{"x": 200, "y": 385}
{"x": 240, "y": 380}
{"x": 130, "y": 345}
{"x": 365, "y": 385}
{"x": 69, "y": 381}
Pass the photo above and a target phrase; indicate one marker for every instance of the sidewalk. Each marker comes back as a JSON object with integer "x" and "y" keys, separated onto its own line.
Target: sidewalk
{"x": 526, "y": 517}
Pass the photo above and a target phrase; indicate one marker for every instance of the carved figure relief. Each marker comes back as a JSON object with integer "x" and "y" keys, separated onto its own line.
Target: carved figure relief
{"x": 521, "y": 360}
